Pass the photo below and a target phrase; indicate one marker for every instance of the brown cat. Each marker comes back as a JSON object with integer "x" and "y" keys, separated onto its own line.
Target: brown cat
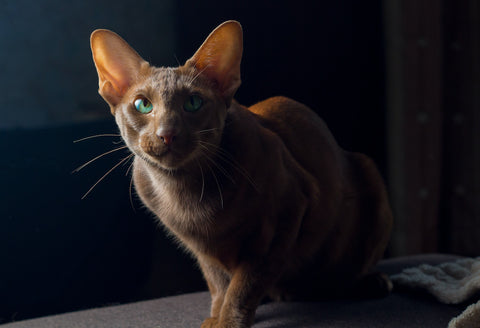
{"x": 263, "y": 197}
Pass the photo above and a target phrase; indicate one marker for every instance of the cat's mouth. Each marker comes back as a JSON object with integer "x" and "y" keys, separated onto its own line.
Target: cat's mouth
{"x": 161, "y": 154}
{"x": 164, "y": 157}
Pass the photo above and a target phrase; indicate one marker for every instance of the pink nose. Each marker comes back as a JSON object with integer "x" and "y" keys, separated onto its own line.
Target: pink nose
{"x": 167, "y": 138}
{"x": 167, "y": 135}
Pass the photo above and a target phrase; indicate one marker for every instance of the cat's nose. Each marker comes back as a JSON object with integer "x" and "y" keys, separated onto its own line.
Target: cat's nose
{"x": 167, "y": 139}
{"x": 167, "y": 135}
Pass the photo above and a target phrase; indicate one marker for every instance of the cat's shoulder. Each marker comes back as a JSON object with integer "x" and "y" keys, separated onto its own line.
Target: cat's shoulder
{"x": 281, "y": 112}
{"x": 284, "y": 109}
{"x": 276, "y": 104}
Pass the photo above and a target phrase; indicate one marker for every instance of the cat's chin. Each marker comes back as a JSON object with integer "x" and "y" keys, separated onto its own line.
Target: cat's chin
{"x": 167, "y": 162}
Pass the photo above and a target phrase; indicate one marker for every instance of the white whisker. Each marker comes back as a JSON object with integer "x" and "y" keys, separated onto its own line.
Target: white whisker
{"x": 176, "y": 58}
{"x": 129, "y": 168}
{"x": 227, "y": 158}
{"x": 130, "y": 192}
{"x": 218, "y": 166}
{"x": 218, "y": 185}
{"x": 108, "y": 172}
{"x": 197, "y": 75}
{"x": 99, "y": 156}
{"x": 96, "y": 136}
{"x": 203, "y": 182}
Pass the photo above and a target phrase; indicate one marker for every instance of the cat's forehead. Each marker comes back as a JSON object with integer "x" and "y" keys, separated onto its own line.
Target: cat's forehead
{"x": 165, "y": 84}
{"x": 171, "y": 78}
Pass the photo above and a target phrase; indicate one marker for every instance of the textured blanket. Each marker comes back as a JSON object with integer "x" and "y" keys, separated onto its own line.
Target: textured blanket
{"x": 451, "y": 283}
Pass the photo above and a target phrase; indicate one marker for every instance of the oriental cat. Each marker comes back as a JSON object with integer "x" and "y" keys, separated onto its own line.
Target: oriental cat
{"x": 262, "y": 196}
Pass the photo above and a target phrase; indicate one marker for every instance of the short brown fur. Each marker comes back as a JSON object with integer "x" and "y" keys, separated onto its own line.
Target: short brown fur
{"x": 263, "y": 197}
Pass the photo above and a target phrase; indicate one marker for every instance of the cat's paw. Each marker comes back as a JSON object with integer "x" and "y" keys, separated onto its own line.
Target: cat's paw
{"x": 210, "y": 323}
{"x": 374, "y": 285}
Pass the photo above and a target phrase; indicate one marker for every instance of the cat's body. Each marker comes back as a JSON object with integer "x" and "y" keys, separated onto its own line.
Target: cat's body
{"x": 263, "y": 197}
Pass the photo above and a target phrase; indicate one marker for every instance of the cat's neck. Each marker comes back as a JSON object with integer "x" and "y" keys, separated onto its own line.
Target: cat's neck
{"x": 189, "y": 199}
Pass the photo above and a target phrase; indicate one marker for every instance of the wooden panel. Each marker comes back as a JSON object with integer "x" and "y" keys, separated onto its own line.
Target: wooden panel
{"x": 461, "y": 197}
{"x": 414, "y": 92}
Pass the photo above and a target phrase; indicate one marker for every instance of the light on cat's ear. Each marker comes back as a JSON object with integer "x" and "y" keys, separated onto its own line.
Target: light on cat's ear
{"x": 143, "y": 105}
{"x": 117, "y": 64}
{"x": 219, "y": 57}
{"x": 193, "y": 103}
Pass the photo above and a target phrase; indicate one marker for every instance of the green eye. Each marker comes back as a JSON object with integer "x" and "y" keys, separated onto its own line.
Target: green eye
{"x": 143, "y": 105}
{"x": 193, "y": 103}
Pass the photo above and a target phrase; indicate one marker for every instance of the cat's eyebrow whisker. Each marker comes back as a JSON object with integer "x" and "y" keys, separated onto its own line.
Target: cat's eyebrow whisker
{"x": 108, "y": 172}
{"x": 96, "y": 136}
{"x": 99, "y": 156}
{"x": 189, "y": 77}
{"x": 197, "y": 75}
{"x": 176, "y": 58}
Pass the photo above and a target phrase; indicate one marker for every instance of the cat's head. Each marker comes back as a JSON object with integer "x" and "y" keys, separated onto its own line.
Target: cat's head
{"x": 170, "y": 116}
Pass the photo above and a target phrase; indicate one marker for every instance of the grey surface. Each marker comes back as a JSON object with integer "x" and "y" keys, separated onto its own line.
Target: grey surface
{"x": 397, "y": 310}
{"x": 177, "y": 311}
{"x": 401, "y": 309}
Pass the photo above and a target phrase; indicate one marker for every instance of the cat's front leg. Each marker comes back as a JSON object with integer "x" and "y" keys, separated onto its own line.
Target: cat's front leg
{"x": 217, "y": 281}
{"x": 247, "y": 287}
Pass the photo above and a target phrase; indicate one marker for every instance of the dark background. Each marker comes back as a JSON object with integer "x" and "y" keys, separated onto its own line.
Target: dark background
{"x": 326, "y": 54}
{"x": 349, "y": 60}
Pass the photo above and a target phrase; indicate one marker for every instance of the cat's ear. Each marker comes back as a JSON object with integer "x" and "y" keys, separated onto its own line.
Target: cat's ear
{"x": 118, "y": 65}
{"x": 219, "y": 58}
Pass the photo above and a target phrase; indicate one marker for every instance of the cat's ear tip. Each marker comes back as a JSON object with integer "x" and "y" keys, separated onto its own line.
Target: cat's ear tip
{"x": 99, "y": 33}
{"x": 232, "y": 24}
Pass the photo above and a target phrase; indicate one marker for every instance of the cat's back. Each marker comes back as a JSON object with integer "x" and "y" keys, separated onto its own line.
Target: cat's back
{"x": 344, "y": 180}
{"x": 304, "y": 134}
{"x": 284, "y": 114}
